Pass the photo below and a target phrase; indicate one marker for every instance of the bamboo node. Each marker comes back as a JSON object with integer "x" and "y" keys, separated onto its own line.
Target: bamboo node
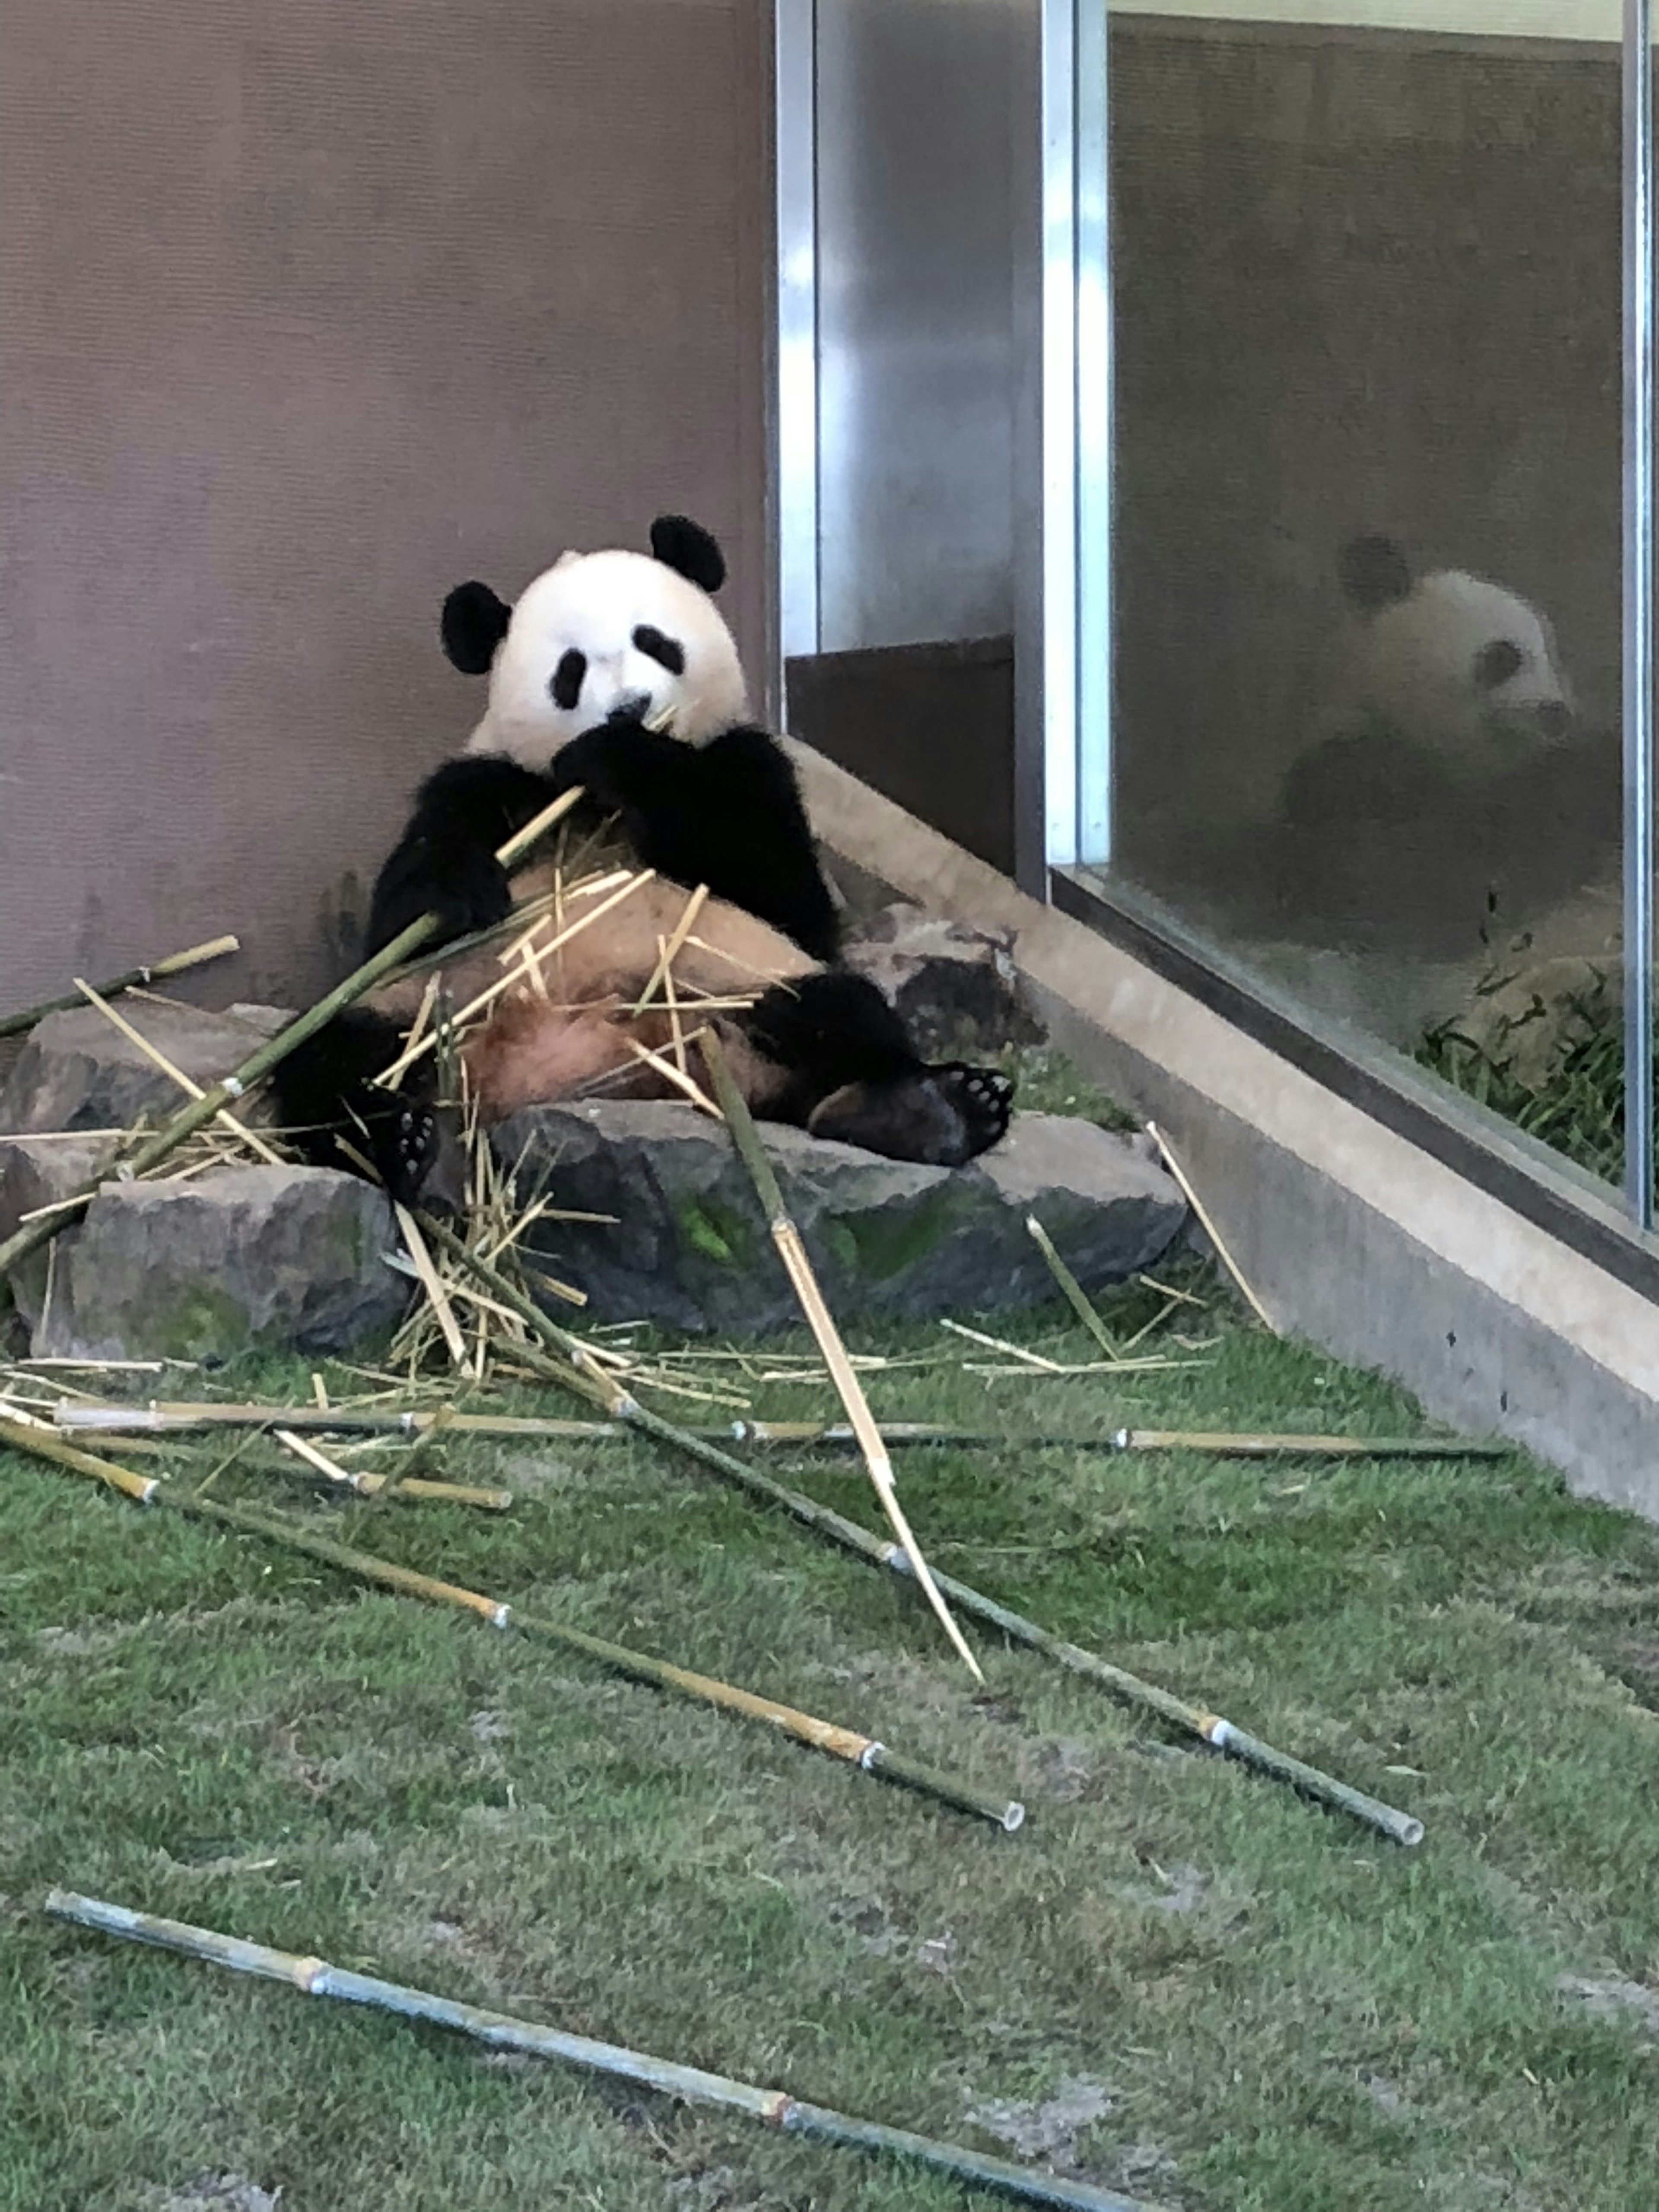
{"x": 869, "y": 1755}
{"x": 311, "y": 1975}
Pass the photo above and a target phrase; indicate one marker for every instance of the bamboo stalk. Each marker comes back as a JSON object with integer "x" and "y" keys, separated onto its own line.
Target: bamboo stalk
{"x": 1000, "y": 1344}
{"x": 192, "y": 1089}
{"x": 846, "y": 1744}
{"x": 367, "y": 1485}
{"x": 787, "y": 1238}
{"x": 1211, "y": 1230}
{"x": 692, "y": 2085}
{"x": 437, "y": 1297}
{"x": 165, "y": 1415}
{"x": 1074, "y": 1293}
{"x": 195, "y": 955}
{"x": 584, "y": 1377}
{"x": 269, "y": 1054}
{"x": 377, "y": 1486}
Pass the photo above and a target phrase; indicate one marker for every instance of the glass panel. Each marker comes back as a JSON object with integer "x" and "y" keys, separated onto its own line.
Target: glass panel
{"x": 1366, "y": 268}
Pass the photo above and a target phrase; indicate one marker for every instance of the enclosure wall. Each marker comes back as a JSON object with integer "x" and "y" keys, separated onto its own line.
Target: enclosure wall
{"x": 306, "y": 313}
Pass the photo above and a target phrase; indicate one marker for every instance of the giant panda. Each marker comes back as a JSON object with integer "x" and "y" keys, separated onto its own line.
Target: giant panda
{"x": 616, "y": 671}
{"x": 1445, "y": 774}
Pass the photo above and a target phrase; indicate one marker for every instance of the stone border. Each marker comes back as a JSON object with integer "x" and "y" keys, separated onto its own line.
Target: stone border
{"x": 1354, "y": 1237}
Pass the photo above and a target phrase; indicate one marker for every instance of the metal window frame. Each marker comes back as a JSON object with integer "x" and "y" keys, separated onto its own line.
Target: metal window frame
{"x": 1638, "y": 605}
{"x": 795, "y": 461}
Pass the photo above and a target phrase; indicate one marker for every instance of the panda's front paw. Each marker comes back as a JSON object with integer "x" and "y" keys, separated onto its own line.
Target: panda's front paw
{"x": 467, "y": 891}
{"x": 611, "y": 761}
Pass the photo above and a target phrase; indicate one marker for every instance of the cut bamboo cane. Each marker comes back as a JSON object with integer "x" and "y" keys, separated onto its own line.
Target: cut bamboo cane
{"x": 1210, "y": 1229}
{"x": 157, "y": 1058}
{"x": 376, "y": 1486}
{"x": 584, "y": 1377}
{"x": 1076, "y": 1297}
{"x": 168, "y": 1415}
{"x": 364, "y": 1484}
{"x": 846, "y": 1744}
{"x": 196, "y": 956}
{"x": 787, "y": 1238}
{"x": 270, "y": 1053}
{"x": 671, "y": 949}
{"x": 437, "y": 1297}
{"x": 692, "y": 2085}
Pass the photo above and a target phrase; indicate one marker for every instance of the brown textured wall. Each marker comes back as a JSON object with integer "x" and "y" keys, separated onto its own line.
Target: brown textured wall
{"x": 306, "y": 312}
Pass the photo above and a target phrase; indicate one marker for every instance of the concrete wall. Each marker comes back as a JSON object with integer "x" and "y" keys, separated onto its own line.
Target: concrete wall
{"x": 307, "y": 312}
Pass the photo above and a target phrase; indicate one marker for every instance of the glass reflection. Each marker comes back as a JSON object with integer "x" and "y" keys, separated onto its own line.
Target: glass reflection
{"x": 1366, "y": 558}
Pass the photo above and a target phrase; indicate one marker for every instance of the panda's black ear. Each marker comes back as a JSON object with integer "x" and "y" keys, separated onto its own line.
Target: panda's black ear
{"x": 1374, "y": 573}
{"x": 687, "y": 548}
{"x": 474, "y": 623}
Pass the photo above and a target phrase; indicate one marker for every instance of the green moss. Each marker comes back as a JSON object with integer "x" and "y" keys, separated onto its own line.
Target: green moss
{"x": 714, "y": 1230}
{"x": 202, "y": 1323}
{"x": 882, "y": 1248}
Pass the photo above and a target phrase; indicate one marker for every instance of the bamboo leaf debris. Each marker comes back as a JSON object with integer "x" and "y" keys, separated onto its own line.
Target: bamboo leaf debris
{"x": 314, "y": 1977}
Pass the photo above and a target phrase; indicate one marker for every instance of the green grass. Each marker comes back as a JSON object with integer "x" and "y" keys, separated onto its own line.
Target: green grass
{"x": 1274, "y": 2011}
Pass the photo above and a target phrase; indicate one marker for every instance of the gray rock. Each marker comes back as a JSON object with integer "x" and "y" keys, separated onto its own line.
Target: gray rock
{"x": 36, "y": 1172}
{"x": 234, "y": 1260}
{"x": 78, "y": 1071}
{"x": 687, "y": 1245}
{"x": 956, "y": 988}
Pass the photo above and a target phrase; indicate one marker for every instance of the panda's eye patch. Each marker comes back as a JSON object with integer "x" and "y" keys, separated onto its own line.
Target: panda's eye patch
{"x": 1496, "y": 663}
{"x": 567, "y": 684}
{"x": 666, "y": 650}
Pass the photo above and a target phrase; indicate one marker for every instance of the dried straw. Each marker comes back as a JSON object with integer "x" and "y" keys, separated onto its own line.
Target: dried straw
{"x": 157, "y": 1058}
{"x": 1210, "y": 1229}
{"x": 406, "y": 1059}
{"x": 692, "y": 2085}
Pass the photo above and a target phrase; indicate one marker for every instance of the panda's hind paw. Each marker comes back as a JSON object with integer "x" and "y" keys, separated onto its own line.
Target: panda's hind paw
{"x": 983, "y": 1098}
{"x": 939, "y": 1117}
{"x": 405, "y": 1147}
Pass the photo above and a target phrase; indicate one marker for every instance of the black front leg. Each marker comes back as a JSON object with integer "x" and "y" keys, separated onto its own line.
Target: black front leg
{"x": 444, "y": 862}
{"x": 727, "y": 814}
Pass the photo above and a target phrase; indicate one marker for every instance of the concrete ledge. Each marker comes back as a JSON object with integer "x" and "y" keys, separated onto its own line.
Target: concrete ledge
{"x": 1354, "y": 1237}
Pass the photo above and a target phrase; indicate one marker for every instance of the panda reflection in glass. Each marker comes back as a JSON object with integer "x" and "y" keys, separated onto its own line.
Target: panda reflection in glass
{"x": 616, "y": 671}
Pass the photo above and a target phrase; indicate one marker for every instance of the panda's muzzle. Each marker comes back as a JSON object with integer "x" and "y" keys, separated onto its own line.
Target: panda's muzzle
{"x": 635, "y": 707}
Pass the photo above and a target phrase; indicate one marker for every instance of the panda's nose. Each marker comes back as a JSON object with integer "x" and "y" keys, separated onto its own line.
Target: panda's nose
{"x": 1555, "y": 719}
{"x": 633, "y": 707}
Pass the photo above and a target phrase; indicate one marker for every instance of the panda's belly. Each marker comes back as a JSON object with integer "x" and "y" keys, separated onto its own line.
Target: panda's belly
{"x": 549, "y": 1011}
